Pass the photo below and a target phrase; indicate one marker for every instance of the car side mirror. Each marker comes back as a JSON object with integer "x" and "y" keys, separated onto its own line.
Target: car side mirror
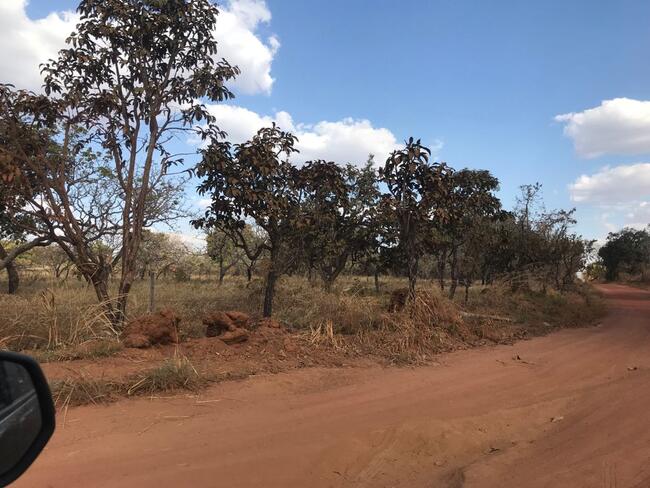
{"x": 26, "y": 414}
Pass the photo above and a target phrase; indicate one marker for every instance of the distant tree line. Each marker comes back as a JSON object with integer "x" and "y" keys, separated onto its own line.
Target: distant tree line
{"x": 324, "y": 218}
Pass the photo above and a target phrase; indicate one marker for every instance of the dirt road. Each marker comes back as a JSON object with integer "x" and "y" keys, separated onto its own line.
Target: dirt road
{"x": 568, "y": 410}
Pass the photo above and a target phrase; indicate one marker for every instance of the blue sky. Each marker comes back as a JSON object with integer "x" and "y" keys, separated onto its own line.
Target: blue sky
{"x": 481, "y": 81}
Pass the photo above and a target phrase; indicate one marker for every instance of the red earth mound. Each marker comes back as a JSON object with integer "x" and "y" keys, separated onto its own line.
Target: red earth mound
{"x": 155, "y": 328}
{"x": 269, "y": 322}
{"x": 240, "y": 319}
{"x": 218, "y": 323}
{"x": 231, "y": 326}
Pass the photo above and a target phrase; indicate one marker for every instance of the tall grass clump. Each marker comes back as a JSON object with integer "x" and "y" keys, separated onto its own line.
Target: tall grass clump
{"x": 431, "y": 323}
{"x": 176, "y": 373}
{"x": 52, "y": 318}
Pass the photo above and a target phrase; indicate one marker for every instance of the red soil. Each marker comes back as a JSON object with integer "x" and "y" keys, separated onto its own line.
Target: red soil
{"x": 151, "y": 329}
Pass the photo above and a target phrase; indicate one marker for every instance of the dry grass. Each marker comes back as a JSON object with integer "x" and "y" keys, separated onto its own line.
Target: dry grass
{"x": 50, "y": 318}
{"x": 580, "y": 306}
{"x": 176, "y": 373}
{"x": 348, "y": 309}
{"x": 427, "y": 325}
{"x": 63, "y": 321}
{"x": 91, "y": 349}
{"x": 83, "y": 391}
{"x": 66, "y": 315}
{"x": 173, "y": 375}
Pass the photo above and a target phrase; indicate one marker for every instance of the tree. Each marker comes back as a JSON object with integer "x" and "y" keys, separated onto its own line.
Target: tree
{"x": 416, "y": 188}
{"x": 560, "y": 254}
{"x": 54, "y": 258}
{"x": 254, "y": 181}
{"x": 222, "y": 249}
{"x": 254, "y": 239}
{"x": 532, "y": 246}
{"x": 15, "y": 185}
{"x": 476, "y": 254}
{"x": 130, "y": 80}
{"x": 159, "y": 252}
{"x": 336, "y": 216}
{"x": 627, "y": 250}
{"x": 365, "y": 199}
{"x": 529, "y": 204}
{"x": 470, "y": 199}
{"x": 74, "y": 201}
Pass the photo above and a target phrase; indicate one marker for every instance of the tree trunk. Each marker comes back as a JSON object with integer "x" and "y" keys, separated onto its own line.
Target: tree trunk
{"x": 271, "y": 278}
{"x": 377, "y": 279}
{"x": 249, "y": 273}
{"x": 412, "y": 275}
{"x": 99, "y": 282}
{"x": 13, "y": 278}
{"x": 122, "y": 302}
{"x": 453, "y": 272}
{"x": 222, "y": 271}
{"x": 12, "y": 272}
{"x": 466, "y": 293}
{"x": 330, "y": 274}
{"x": 152, "y": 290}
{"x": 328, "y": 281}
{"x": 269, "y": 292}
{"x": 441, "y": 268}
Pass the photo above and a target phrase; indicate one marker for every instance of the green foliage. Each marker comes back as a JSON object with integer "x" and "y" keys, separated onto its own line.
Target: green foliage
{"x": 531, "y": 245}
{"x": 627, "y": 250}
{"x": 255, "y": 180}
{"x": 337, "y": 212}
{"x": 470, "y": 206}
{"x": 415, "y": 202}
{"x": 222, "y": 249}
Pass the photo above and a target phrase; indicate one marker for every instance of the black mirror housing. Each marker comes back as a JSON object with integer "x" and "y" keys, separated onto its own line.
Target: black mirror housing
{"x": 41, "y": 399}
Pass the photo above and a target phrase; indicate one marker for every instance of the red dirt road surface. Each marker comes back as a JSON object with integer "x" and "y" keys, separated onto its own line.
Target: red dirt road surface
{"x": 568, "y": 410}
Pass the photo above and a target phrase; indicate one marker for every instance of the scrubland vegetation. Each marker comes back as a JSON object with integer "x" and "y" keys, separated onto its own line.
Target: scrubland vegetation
{"x": 67, "y": 315}
{"x": 364, "y": 257}
{"x": 63, "y": 322}
{"x": 625, "y": 256}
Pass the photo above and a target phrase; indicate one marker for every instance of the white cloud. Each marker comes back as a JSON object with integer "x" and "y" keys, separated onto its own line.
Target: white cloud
{"x": 241, "y": 123}
{"x": 239, "y": 44}
{"x": 618, "y": 126}
{"x": 346, "y": 140}
{"x": 193, "y": 241}
{"x": 26, "y": 43}
{"x": 203, "y": 203}
{"x": 638, "y": 216}
{"x": 620, "y": 194}
{"x": 613, "y": 185}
